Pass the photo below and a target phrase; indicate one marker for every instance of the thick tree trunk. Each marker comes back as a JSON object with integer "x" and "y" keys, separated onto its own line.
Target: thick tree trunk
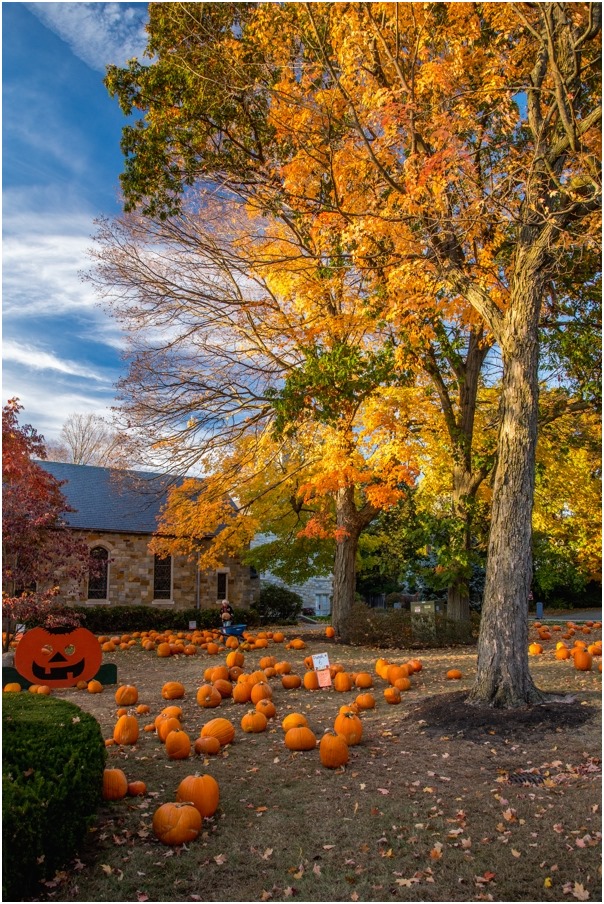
{"x": 503, "y": 676}
{"x": 458, "y": 600}
{"x": 349, "y": 526}
{"x": 465, "y": 485}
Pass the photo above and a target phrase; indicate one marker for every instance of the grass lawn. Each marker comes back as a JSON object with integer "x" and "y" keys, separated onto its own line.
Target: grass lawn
{"x": 439, "y": 802}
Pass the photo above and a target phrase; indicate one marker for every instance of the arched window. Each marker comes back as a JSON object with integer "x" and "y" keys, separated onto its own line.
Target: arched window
{"x": 98, "y": 578}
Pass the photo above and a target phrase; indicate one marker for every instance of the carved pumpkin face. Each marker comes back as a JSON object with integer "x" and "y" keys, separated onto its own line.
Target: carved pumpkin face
{"x": 58, "y": 657}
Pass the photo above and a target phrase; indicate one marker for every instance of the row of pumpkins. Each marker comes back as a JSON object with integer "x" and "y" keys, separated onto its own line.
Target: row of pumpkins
{"x": 166, "y": 643}
{"x": 581, "y": 652}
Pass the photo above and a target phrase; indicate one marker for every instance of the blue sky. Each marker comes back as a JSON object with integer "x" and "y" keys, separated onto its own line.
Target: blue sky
{"x": 60, "y": 167}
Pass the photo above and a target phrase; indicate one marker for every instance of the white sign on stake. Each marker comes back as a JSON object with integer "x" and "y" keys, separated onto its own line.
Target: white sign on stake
{"x": 320, "y": 663}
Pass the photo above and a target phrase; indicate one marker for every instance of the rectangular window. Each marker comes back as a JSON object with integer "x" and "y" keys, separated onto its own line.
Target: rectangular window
{"x": 222, "y": 585}
{"x": 162, "y": 578}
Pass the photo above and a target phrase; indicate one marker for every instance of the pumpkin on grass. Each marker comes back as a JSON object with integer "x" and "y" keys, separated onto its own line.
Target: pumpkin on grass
{"x": 126, "y": 695}
{"x": 206, "y": 746}
{"x": 164, "y": 725}
{"x": 350, "y": 727}
{"x": 301, "y": 738}
{"x": 583, "y": 660}
{"x": 294, "y": 720}
{"x": 333, "y": 750}
{"x": 267, "y": 707}
{"x": 176, "y": 823}
{"x": 454, "y": 675}
{"x": 126, "y": 730}
{"x": 135, "y": 789}
{"x": 202, "y": 791}
{"x": 365, "y": 701}
{"x": 178, "y": 744}
{"x": 172, "y": 690}
{"x": 254, "y": 721}
{"x": 115, "y": 784}
{"x": 219, "y": 728}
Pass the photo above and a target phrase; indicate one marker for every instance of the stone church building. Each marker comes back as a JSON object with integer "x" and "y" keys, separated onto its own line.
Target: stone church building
{"x": 116, "y": 513}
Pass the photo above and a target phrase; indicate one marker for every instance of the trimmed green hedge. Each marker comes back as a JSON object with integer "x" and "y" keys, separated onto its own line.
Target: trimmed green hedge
{"x": 52, "y": 777}
{"x": 399, "y": 628}
{"x": 125, "y": 619}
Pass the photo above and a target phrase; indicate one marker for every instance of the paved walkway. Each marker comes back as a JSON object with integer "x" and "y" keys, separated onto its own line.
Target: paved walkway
{"x": 576, "y": 615}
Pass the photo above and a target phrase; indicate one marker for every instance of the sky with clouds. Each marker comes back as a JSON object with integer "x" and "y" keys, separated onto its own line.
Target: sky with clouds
{"x": 61, "y": 164}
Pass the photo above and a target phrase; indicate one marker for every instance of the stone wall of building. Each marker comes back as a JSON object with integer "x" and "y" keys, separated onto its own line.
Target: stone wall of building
{"x": 131, "y": 576}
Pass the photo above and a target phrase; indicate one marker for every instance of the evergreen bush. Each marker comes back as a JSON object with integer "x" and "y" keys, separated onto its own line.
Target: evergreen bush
{"x": 52, "y": 776}
{"x": 277, "y": 604}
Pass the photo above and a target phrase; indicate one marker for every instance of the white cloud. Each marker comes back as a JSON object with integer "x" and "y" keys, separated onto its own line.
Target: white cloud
{"x": 98, "y": 33}
{"x": 45, "y": 252}
{"x": 38, "y": 358}
{"x": 48, "y": 405}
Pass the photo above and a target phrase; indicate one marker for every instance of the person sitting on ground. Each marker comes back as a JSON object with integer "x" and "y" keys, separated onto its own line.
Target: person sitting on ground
{"x": 226, "y": 613}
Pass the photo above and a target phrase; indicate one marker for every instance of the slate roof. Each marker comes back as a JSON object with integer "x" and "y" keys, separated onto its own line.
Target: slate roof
{"x": 108, "y": 499}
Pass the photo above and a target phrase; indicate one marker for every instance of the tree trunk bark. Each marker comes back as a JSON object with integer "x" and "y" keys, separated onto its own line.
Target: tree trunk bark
{"x": 349, "y": 528}
{"x": 503, "y": 676}
{"x": 465, "y": 486}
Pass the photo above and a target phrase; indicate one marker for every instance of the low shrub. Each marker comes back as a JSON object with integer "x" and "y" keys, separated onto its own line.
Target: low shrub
{"x": 52, "y": 776}
{"x": 277, "y": 604}
{"x": 399, "y": 628}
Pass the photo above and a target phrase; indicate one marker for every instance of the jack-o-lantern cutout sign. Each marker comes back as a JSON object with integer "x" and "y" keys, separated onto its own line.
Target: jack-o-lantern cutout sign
{"x": 58, "y": 657}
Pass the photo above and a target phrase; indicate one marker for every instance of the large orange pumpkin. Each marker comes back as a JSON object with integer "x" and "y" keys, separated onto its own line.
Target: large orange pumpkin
{"x": 115, "y": 784}
{"x": 126, "y": 695}
{"x": 202, "y": 791}
{"x": 126, "y": 730}
{"x": 219, "y": 728}
{"x": 176, "y": 823}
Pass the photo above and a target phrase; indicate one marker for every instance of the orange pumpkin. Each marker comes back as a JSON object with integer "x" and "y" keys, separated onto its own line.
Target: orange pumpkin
{"x": 583, "y": 660}
{"x": 172, "y": 690}
{"x": 176, "y": 823}
{"x": 293, "y": 720}
{"x": 126, "y": 695}
{"x": 219, "y": 728}
{"x": 178, "y": 744}
{"x": 202, "y": 791}
{"x": 254, "y": 721}
{"x": 126, "y": 730}
{"x": 115, "y": 784}
{"x": 206, "y": 746}
{"x": 454, "y": 675}
{"x": 301, "y": 738}
{"x": 135, "y": 789}
{"x": 311, "y": 681}
{"x": 350, "y": 727}
{"x": 333, "y": 751}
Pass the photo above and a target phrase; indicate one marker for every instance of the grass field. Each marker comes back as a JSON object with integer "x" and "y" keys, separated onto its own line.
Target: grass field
{"x": 439, "y": 802}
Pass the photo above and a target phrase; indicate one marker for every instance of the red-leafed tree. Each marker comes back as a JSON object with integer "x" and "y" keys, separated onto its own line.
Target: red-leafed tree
{"x": 39, "y": 552}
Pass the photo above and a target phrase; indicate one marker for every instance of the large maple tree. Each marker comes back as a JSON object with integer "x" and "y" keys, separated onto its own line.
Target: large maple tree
{"x": 456, "y": 145}
{"x": 253, "y": 358}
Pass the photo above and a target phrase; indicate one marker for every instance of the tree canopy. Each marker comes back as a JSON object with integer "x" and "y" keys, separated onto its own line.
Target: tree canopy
{"x": 449, "y": 152}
